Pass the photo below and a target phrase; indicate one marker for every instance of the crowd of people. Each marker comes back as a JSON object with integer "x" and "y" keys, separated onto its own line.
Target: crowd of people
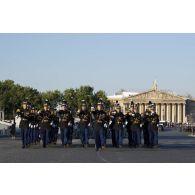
{"x": 44, "y": 125}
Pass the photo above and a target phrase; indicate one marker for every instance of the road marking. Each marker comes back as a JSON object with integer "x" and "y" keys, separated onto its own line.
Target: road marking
{"x": 101, "y": 157}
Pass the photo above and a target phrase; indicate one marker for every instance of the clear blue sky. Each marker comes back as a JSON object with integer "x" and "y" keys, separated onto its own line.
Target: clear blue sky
{"x": 105, "y": 61}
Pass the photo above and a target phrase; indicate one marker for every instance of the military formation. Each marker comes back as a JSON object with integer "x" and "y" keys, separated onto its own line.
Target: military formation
{"x": 45, "y": 125}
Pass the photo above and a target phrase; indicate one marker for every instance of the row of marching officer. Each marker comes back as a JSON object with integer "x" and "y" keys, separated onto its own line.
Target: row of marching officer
{"x": 45, "y": 124}
{"x": 137, "y": 124}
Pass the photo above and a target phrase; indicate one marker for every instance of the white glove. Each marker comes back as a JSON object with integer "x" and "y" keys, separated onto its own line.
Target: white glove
{"x": 105, "y": 126}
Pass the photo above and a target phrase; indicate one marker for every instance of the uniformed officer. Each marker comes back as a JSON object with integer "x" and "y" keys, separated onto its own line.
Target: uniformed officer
{"x": 135, "y": 127}
{"x": 54, "y": 127}
{"x": 100, "y": 119}
{"x": 45, "y": 123}
{"x": 146, "y": 120}
{"x": 71, "y": 129}
{"x": 65, "y": 118}
{"x": 34, "y": 127}
{"x": 119, "y": 120}
{"x": 129, "y": 121}
{"x": 153, "y": 127}
{"x": 24, "y": 113}
{"x": 84, "y": 116}
{"x": 111, "y": 127}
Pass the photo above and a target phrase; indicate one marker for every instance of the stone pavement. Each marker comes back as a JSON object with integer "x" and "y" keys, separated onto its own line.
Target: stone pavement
{"x": 175, "y": 147}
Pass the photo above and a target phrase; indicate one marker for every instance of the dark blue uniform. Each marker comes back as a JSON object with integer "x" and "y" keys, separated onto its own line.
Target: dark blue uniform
{"x": 54, "y": 128}
{"x": 153, "y": 129}
{"x": 45, "y": 126}
{"x": 24, "y": 126}
{"x": 111, "y": 127}
{"x": 84, "y": 127}
{"x": 136, "y": 129}
{"x": 118, "y": 127}
{"x": 99, "y": 120}
{"x": 129, "y": 120}
{"x": 34, "y": 127}
{"x": 65, "y": 118}
{"x": 146, "y": 120}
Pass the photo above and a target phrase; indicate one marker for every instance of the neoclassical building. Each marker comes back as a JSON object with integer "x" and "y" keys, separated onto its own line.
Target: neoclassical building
{"x": 170, "y": 107}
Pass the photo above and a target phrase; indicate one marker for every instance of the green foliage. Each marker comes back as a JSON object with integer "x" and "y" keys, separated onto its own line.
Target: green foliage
{"x": 70, "y": 96}
{"x": 52, "y": 96}
{"x": 85, "y": 93}
{"x": 12, "y": 95}
{"x": 102, "y": 95}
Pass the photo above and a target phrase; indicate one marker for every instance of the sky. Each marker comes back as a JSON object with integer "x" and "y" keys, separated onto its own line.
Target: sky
{"x": 105, "y": 61}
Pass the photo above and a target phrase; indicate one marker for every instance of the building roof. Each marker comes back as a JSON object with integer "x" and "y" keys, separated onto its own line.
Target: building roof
{"x": 154, "y": 90}
{"x": 155, "y": 95}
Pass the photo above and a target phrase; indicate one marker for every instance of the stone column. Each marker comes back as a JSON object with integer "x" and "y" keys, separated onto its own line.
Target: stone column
{"x": 165, "y": 112}
{"x": 139, "y": 108}
{"x": 178, "y": 113}
{"x": 173, "y": 113}
{"x": 159, "y": 111}
{"x": 142, "y": 108}
{"x": 168, "y": 113}
{"x": 162, "y": 112}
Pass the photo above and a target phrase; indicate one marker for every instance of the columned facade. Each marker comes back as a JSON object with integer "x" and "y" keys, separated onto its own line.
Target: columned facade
{"x": 169, "y": 112}
{"x": 169, "y": 107}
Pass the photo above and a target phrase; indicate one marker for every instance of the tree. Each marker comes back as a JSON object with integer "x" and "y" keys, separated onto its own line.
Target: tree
{"x": 102, "y": 95}
{"x": 85, "y": 93}
{"x": 12, "y": 95}
{"x": 53, "y": 97}
{"x": 70, "y": 96}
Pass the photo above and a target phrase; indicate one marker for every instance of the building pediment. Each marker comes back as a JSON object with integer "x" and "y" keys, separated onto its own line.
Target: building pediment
{"x": 155, "y": 96}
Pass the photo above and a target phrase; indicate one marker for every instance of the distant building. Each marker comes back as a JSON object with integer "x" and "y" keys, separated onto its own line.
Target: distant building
{"x": 121, "y": 96}
{"x": 170, "y": 107}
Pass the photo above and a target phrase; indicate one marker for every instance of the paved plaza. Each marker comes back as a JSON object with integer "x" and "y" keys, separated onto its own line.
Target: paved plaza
{"x": 175, "y": 147}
